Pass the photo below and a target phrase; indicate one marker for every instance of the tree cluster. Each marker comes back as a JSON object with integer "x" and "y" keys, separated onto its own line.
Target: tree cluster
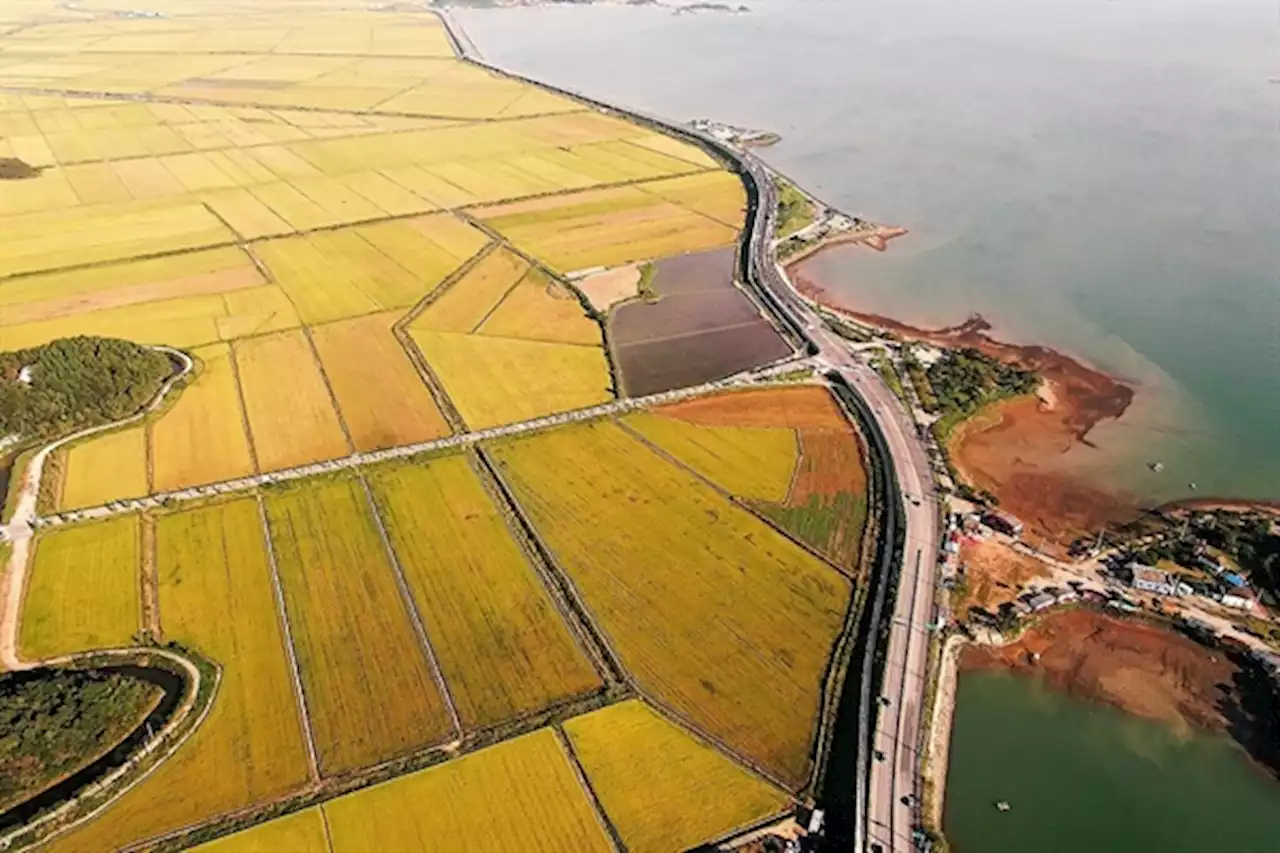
{"x": 74, "y": 383}
{"x": 963, "y": 380}
{"x": 53, "y": 721}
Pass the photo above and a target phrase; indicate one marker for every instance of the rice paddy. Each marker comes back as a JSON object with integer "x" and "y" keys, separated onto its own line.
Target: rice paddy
{"x": 216, "y": 596}
{"x": 383, "y": 400}
{"x": 291, "y": 413}
{"x": 84, "y": 588}
{"x": 660, "y": 787}
{"x": 501, "y": 643}
{"x": 715, "y": 614}
{"x": 756, "y": 463}
{"x": 351, "y": 230}
{"x": 520, "y": 796}
{"x": 369, "y": 689}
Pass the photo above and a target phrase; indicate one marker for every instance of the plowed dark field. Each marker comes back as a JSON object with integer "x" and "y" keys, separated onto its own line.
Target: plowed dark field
{"x": 701, "y": 328}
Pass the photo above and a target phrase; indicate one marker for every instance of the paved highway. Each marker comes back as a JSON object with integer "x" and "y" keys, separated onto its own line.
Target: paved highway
{"x": 887, "y": 811}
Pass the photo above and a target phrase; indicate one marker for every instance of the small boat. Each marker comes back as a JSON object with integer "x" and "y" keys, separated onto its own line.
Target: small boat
{"x": 1156, "y": 466}
{"x": 1003, "y": 805}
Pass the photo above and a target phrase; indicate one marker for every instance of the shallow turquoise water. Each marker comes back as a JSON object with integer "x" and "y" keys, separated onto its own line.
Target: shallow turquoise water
{"x": 1099, "y": 176}
{"x": 1081, "y": 777}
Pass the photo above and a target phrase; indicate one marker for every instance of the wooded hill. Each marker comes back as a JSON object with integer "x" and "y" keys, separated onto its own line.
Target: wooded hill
{"x": 74, "y": 383}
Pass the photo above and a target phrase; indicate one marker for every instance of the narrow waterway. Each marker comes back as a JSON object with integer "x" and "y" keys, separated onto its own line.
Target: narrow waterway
{"x": 1084, "y": 777}
{"x": 172, "y": 686}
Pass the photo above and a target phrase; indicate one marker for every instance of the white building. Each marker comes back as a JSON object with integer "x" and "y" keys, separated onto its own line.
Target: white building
{"x": 1148, "y": 579}
{"x": 1241, "y": 598}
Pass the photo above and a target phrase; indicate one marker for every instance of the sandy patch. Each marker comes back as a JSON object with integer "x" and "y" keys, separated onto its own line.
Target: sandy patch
{"x": 605, "y": 289}
{"x": 996, "y": 574}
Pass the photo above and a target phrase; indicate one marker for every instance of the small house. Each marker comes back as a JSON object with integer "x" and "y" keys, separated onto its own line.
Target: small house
{"x": 1241, "y": 598}
{"x": 1041, "y": 601}
{"x": 1002, "y": 522}
{"x": 1152, "y": 580}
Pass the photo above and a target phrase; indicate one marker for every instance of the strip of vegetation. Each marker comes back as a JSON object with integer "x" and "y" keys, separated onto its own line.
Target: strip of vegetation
{"x": 75, "y": 383}
{"x": 52, "y": 722}
{"x": 795, "y": 211}
{"x": 644, "y": 287}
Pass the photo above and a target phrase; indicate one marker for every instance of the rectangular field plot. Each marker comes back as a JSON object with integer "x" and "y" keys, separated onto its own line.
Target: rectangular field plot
{"x": 384, "y": 401}
{"x": 216, "y": 596}
{"x": 756, "y": 463}
{"x": 501, "y": 643}
{"x": 106, "y": 468}
{"x": 49, "y": 241}
{"x": 301, "y": 832}
{"x": 369, "y": 688}
{"x": 469, "y": 300}
{"x": 719, "y": 195}
{"x": 290, "y": 410}
{"x": 661, "y": 788}
{"x": 202, "y": 438}
{"x": 83, "y": 590}
{"x": 604, "y": 228}
{"x": 520, "y": 796}
{"x": 496, "y": 381}
{"x": 718, "y": 616}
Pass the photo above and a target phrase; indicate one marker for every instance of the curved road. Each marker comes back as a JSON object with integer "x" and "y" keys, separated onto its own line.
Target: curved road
{"x": 886, "y": 815}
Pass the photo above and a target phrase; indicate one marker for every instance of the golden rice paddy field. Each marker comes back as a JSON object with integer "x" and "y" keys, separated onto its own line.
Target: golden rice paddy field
{"x": 369, "y": 688}
{"x": 216, "y": 596}
{"x": 716, "y": 615}
{"x": 84, "y": 589}
{"x": 641, "y": 766}
{"x": 234, "y": 172}
{"x": 756, "y": 463}
{"x": 354, "y": 232}
{"x": 521, "y": 795}
{"x": 502, "y": 646}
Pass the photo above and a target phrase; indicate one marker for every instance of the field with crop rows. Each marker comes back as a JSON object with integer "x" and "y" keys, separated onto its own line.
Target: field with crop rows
{"x": 604, "y": 228}
{"x": 663, "y": 789}
{"x": 496, "y": 381}
{"x": 202, "y": 438}
{"x": 383, "y": 400}
{"x": 756, "y": 463}
{"x": 716, "y": 614}
{"x": 290, "y": 410}
{"x": 369, "y": 688}
{"x": 216, "y": 596}
{"x": 500, "y": 641}
{"x": 466, "y": 303}
{"x": 826, "y": 506}
{"x": 83, "y": 590}
{"x": 301, "y": 832}
{"x": 520, "y": 796}
{"x": 106, "y": 468}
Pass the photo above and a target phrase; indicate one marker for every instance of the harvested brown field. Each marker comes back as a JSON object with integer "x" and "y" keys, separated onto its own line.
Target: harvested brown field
{"x": 806, "y": 407}
{"x": 701, "y": 327}
{"x": 604, "y": 289}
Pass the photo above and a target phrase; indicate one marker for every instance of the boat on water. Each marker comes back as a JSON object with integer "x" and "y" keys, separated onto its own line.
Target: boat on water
{"x": 1003, "y": 805}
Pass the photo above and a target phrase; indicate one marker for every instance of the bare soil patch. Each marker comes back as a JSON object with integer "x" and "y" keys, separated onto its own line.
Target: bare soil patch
{"x": 995, "y": 574}
{"x": 13, "y": 169}
{"x": 605, "y": 289}
{"x": 1137, "y": 667}
{"x": 1015, "y": 448}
